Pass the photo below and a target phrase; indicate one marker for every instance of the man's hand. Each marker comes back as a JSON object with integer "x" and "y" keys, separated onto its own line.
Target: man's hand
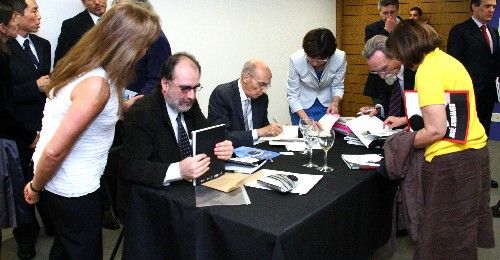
{"x": 42, "y": 83}
{"x": 224, "y": 150}
{"x": 390, "y": 23}
{"x": 393, "y": 122}
{"x": 272, "y": 129}
{"x": 368, "y": 110}
{"x": 130, "y": 102}
{"x": 193, "y": 167}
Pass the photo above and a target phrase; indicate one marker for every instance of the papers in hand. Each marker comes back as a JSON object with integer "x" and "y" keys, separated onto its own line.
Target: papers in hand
{"x": 304, "y": 183}
{"x": 368, "y": 129}
{"x": 328, "y": 120}
{"x": 362, "y": 161}
{"x": 290, "y": 133}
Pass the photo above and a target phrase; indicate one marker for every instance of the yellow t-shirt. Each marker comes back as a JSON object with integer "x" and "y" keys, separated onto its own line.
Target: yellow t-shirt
{"x": 440, "y": 72}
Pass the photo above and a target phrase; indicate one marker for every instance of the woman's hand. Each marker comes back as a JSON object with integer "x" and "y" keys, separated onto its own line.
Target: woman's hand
{"x": 393, "y": 122}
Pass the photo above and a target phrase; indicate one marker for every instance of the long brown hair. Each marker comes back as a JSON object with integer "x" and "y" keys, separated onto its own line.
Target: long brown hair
{"x": 115, "y": 43}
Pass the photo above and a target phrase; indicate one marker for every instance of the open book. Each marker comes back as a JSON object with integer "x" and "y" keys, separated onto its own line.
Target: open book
{"x": 204, "y": 141}
{"x": 369, "y": 129}
{"x": 362, "y": 161}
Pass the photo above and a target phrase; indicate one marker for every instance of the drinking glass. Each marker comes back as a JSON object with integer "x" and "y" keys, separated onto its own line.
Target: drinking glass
{"x": 303, "y": 127}
{"x": 311, "y": 138}
{"x": 326, "y": 139}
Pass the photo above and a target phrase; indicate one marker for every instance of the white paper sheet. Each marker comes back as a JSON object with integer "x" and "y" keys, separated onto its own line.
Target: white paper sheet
{"x": 304, "y": 184}
{"x": 290, "y": 132}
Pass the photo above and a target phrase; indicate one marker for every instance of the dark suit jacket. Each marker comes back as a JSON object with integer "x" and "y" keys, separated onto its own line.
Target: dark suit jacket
{"x": 380, "y": 92}
{"x": 10, "y": 127}
{"x": 147, "y": 69}
{"x": 28, "y": 101}
{"x": 224, "y": 107}
{"x": 149, "y": 143}
{"x": 466, "y": 44}
{"x": 72, "y": 30}
{"x": 375, "y": 28}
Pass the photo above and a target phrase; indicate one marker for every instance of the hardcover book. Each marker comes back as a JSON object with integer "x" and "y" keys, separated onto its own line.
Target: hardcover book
{"x": 204, "y": 141}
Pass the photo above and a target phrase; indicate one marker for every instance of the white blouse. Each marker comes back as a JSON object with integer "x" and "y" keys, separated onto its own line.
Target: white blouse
{"x": 81, "y": 170}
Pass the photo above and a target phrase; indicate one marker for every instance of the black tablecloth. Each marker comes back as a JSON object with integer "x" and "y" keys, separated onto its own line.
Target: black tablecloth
{"x": 347, "y": 215}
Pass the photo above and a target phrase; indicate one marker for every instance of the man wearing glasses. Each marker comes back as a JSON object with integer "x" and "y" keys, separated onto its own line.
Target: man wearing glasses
{"x": 316, "y": 75}
{"x": 242, "y": 105}
{"x": 157, "y": 126}
{"x": 395, "y": 76}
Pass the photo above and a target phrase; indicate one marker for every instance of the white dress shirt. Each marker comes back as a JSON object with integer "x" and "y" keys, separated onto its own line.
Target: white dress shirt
{"x": 244, "y": 99}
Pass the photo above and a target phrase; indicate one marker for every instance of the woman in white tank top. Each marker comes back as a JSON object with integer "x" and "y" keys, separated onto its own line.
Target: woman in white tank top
{"x": 83, "y": 105}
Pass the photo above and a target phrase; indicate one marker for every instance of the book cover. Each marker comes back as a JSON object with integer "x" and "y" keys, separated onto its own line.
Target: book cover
{"x": 204, "y": 141}
{"x": 369, "y": 129}
{"x": 457, "y": 114}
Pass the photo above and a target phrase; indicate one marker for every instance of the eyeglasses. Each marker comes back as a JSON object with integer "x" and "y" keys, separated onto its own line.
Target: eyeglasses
{"x": 261, "y": 84}
{"x": 185, "y": 89}
{"x": 383, "y": 70}
{"x": 317, "y": 60}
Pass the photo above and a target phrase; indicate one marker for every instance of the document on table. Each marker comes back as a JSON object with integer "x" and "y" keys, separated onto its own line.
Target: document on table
{"x": 328, "y": 120}
{"x": 290, "y": 132}
{"x": 305, "y": 182}
{"x": 300, "y": 146}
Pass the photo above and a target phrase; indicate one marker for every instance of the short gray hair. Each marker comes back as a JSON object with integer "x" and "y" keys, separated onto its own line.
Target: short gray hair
{"x": 376, "y": 43}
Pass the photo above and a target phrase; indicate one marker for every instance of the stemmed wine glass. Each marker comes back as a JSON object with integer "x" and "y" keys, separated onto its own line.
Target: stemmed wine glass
{"x": 311, "y": 138}
{"x": 326, "y": 139}
{"x": 303, "y": 127}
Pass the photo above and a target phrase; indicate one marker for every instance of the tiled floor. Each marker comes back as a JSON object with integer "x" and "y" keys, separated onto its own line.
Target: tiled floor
{"x": 403, "y": 250}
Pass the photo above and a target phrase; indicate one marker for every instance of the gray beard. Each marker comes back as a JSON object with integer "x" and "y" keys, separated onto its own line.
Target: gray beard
{"x": 390, "y": 79}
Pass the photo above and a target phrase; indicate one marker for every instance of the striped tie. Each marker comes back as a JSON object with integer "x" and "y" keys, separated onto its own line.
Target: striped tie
{"x": 395, "y": 101}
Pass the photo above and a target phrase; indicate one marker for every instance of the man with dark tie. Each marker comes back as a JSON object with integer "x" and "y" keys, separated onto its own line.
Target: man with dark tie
{"x": 74, "y": 28}
{"x": 30, "y": 67}
{"x": 157, "y": 148}
{"x": 242, "y": 105}
{"x": 396, "y": 78}
{"x": 476, "y": 46}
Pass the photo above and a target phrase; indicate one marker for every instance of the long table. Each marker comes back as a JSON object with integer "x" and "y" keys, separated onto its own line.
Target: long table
{"x": 347, "y": 215}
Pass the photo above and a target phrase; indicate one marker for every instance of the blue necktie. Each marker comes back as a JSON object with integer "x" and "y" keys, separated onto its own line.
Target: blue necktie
{"x": 32, "y": 56}
{"x": 185, "y": 148}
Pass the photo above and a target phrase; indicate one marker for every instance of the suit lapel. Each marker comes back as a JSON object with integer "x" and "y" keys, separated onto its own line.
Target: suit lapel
{"x": 164, "y": 114}
{"x": 39, "y": 51}
{"x": 476, "y": 32}
{"x": 19, "y": 51}
{"x": 235, "y": 96}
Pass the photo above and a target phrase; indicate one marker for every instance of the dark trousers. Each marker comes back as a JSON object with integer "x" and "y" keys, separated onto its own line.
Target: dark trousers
{"x": 26, "y": 233}
{"x": 78, "y": 225}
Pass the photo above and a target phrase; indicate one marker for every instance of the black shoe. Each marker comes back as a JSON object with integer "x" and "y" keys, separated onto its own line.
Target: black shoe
{"x": 26, "y": 254}
{"x": 494, "y": 184}
{"x": 110, "y": 221}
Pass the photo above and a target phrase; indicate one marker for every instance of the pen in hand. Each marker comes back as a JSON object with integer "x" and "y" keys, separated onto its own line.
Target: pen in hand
{"x": 365, "y": 112}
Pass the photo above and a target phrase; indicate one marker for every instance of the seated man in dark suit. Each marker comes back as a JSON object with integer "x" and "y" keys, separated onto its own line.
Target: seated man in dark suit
{"x": 152, "y": 153}
{"x": 74, "y": 28}
{"x": 388, "y": 98}
{"x": 242, "y": 105}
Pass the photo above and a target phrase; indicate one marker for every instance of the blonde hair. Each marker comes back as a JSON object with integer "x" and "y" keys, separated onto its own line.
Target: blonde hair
{"x": 115, "y": 43}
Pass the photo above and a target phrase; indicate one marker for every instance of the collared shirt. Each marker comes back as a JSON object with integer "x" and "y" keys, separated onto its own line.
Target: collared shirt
{"x": 173, "y": 172}
{"x": 94, "y": 17}
{"x": 244, "y": 99}
{"x": 479, "y": 24}
{"x": 20, "y": 39}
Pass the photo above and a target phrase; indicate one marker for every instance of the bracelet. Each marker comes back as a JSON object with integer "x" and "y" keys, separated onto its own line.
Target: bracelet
{"x": 33, "y": 189}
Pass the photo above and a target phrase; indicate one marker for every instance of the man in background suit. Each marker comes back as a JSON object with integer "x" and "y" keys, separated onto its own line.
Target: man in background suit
{"x": 151, "y": 154}
{"x": 74, "y": 28}
{"x": 375, "y": 86}
{"x": 394, "y": 75}
{"x": 242, "y": 105}
{"x": 481, "y": 57}
{"x": 30, "y": 68}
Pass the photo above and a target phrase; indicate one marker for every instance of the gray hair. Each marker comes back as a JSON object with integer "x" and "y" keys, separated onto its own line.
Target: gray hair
{"x": 249, "y": 67}
{"x": 376, "y": 43}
